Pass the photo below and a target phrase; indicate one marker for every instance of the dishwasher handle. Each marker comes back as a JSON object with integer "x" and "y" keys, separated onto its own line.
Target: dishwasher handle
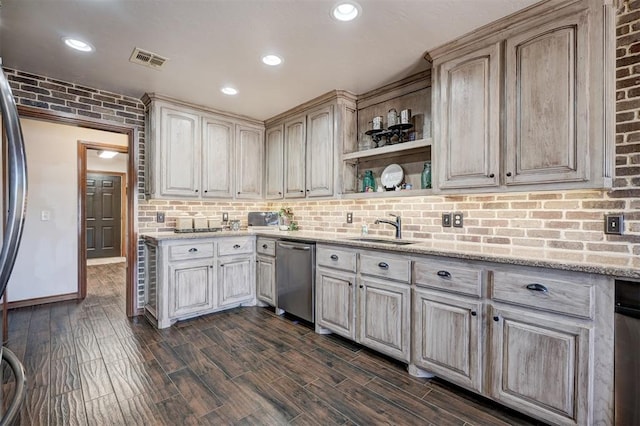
{"x": 293, "y": 247}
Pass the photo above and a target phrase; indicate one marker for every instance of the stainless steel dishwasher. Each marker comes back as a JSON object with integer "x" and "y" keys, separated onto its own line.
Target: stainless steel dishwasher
{"x": 627, "y": 346}
{"x": 295, "y": 278}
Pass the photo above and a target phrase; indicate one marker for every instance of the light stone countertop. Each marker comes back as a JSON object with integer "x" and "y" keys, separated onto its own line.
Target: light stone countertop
{"x": 471, "y": 251}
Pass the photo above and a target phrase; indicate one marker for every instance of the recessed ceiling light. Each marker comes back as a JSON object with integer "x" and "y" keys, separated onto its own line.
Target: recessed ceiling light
{"x": 272, "y": 60}
{"x": 107, "y": 154}
{"x": 229, "y": 91}
{"x": 76, "y": 44}
{"x": 346, "y": 11}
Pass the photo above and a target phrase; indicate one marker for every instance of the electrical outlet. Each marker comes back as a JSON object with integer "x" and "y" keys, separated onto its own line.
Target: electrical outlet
{"x": 225, "y": 217}
{"x": 160, "y": 217}
{"x": 613, "y": 224}
{"x": 446, "y": 220}
{"x": 349, "y": 217}
{"x": 457, "y": 220}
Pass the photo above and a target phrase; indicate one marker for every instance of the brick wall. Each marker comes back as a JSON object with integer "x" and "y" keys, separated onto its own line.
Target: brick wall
{"x": 564, "y": 225}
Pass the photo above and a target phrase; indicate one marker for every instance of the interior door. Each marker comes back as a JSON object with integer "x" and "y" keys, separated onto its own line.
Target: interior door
{"x": 103, "y": 202}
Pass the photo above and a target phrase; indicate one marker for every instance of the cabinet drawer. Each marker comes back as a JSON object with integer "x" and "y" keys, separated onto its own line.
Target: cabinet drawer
{"x": 381, "y": 265}
{"x": 336, "y": 258}
{"x": 266, "y": 246}
{"x": 239, "y": 245}
{"x": 544, "y": 291}
{"x": 450, "y": 276}
{"x": 191, "y": 251}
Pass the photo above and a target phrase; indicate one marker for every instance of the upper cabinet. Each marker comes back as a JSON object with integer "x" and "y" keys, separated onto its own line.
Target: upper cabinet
{"x": 274, "y": 163}
{"x": 469, "y": 119}
{"x": 527, "y": 102}
{"x": 547, "y": 117}
{"x": 198, "y": 153}
{"x": 306, "y": 141}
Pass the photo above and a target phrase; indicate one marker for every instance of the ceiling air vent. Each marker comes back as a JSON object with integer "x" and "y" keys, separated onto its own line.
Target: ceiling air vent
{"x": 146, "y": 58}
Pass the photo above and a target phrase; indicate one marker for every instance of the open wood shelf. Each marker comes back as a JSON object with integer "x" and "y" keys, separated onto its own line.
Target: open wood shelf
{"x": 388, "y": 150}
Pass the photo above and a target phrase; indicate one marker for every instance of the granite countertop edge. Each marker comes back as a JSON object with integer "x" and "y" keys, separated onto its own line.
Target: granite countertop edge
{"x": 419, "y": 247}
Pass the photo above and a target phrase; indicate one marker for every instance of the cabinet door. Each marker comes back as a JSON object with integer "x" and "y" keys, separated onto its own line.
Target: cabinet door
{"x": 384, "y": 315}
{"x": 274, "y": 172}
{"x": 190, "y": 288}
{"x": 266, "y": 279}
{"x": 235, "y": 280}
{"x": 217, "y": 158}
{"x": 249, "y": 161}
{"x": 541, "y": 365}
{"x": 294, "y": 157}
{"x": 547, "y": 116}
{"x": 447, "y": 337}
{"x": 334, "y": 301}
{"x": 320, "y": 153}
{"x": 179, "y": 153}
{"x": 470, "y": 119}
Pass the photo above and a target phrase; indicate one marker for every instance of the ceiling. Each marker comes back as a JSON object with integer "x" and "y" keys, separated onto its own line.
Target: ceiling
{"x": 212, "y": 43}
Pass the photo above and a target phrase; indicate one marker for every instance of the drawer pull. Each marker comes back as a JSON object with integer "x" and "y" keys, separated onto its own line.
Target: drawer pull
{"x": 383, "y": 265}
{"x": 496, "y": 318}
{"x": 537, "y": 287}
{"x": 236, "y": 246}
{"x": 474, "y": 313}
{"x": 264, "y": 246}
{"x": 193, "y": 250}
{"x": 334, "y": 257}
{"x": 444, "y": 274}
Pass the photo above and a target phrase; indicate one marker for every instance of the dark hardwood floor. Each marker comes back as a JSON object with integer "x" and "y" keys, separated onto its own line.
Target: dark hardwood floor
{"x": 87, "y": 363}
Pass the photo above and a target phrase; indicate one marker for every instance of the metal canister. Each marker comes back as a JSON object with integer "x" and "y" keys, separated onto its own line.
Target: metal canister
{"x": 405, "y": 116}
{"x": 377, "y": 123}
{"x": 392, "y": 117}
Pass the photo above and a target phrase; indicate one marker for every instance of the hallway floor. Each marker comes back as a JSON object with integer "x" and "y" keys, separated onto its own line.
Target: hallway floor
{"x": 87, "y": 363}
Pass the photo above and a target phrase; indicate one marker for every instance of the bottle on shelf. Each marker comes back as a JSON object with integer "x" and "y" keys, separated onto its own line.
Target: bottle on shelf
{"x": 425, "y": 177}
{"x": 368, "y": 182}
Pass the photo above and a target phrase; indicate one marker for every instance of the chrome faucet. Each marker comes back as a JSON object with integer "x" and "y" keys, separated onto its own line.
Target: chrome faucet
{"x": 397, "y": 224}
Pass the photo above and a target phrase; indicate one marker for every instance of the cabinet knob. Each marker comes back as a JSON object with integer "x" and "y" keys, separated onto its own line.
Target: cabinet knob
{"x": 193, "y": 250}
{"x": 334, "y": 257}
{"x": 383, "y": 265}
{"x": 279, "y": 193}
{"x": 474, "y": 313}
{"x": 444, "y": 274}
{"x": 350, "y": 284}
{"x": 221, "y": 265}
{"x": 238, "y": 192}
{"x": 492, "y": 175}
{"x": 264, "y": 246}
{"x": 196, "y": 190}
{"x": 236, "y": 246}
{"x": 206, "y": 190}
{"x": 307, "y": 190}
{"x": 211, "y": 266}
{"x": 508, "y": 174}
{"x": 496, "y": 318}
{"x": 361, "y": 286}
{"x": 301, "y": 190}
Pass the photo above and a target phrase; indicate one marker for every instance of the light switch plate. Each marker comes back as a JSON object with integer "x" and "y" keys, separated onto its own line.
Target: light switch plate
{"x": 613, "y": 224}
{"x": 446, "y": 220}
{"x": 225, "y": 217}
{"x": 349, "y": 217}
{"x": 160, "y": 217}
{"x": 457, "y": 220}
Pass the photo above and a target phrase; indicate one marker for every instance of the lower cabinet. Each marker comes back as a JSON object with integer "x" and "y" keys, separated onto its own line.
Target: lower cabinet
{"x": 371, "y": 309}
{"x": 189, "y": 277}
{"x": 335, "y": 302}
{"x": 235, "y": 280}
{"x": 266, "y": 279}
{"x": 448, "y": 336}
{"x": 541, "y": 365}
{"x": 190, "y": 287}
{"x": 384, "y": 315}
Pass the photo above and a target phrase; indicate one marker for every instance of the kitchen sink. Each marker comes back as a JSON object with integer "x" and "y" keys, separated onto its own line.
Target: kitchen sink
{"x": 382, "y": 241}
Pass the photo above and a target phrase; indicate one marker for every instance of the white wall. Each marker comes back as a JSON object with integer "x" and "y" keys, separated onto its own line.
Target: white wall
{"x": 47, "y": 262}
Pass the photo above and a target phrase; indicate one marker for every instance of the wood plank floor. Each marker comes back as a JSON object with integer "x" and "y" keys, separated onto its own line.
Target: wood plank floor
{"x": 87, "y": 363}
